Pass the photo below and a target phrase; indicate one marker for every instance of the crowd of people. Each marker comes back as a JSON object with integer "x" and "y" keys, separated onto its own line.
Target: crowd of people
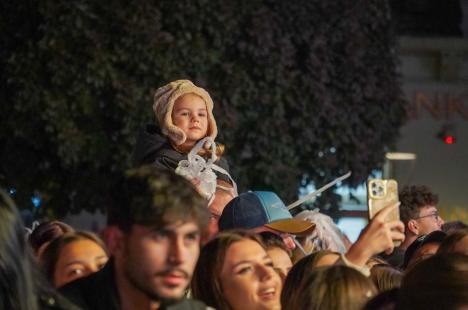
{"x": 180, "y": 236}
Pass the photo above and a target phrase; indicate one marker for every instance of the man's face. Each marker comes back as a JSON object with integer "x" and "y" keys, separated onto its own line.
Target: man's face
{"x": 287, "y": 238}
{"x": 428, "y": 220}
{"x": 222, "y": 198}
{"x": 159, "y": 262}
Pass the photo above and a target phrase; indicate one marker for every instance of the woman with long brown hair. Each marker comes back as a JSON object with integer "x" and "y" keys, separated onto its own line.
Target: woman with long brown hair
{"x": 235, "y": 272}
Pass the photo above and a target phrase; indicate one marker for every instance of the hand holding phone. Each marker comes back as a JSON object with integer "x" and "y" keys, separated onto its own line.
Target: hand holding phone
{"x": 380, "y": 194}
{"x": 378, "y": 236}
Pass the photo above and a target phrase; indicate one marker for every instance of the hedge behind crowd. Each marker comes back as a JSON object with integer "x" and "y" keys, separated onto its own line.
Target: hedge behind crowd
{"x": 304, "y": 90}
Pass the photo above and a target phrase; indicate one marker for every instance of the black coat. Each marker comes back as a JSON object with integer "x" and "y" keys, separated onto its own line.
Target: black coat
{"x": 99, "y": 292}
{"x": 154, "y": 148}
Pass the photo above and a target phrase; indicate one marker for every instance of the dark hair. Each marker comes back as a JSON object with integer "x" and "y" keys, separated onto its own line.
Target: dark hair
{"x": 154, "y": 197}
{"x": 437, "y": 237}
{"x": 17, "y": 282}
{"x": 386, "y": 277}
{"x": 412, "y": 199}
{"x": 46, "y": 232}
{"x": 272, "y": 240}
{"x": 452, "y": 226}
{"x": 333, "y": 287}
{"x": 206, "y": 282}
{"x": 439, "y": 282}
{"x": 449, "y": 243}
{"x": 52, "y": 252}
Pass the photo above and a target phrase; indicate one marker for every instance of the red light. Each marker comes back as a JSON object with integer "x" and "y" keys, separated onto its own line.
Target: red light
{"x": 449, "y": 139}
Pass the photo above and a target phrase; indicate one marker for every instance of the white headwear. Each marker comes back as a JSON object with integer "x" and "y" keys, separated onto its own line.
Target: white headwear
{"x": 196, "y": 167}
{"x": 326, "y": 232}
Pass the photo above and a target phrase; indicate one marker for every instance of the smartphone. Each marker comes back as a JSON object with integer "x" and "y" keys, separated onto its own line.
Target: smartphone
{"x": 382, "y": 193}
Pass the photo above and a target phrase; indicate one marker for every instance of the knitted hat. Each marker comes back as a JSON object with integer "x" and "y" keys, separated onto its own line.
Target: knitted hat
{"x": 164, "y": 99}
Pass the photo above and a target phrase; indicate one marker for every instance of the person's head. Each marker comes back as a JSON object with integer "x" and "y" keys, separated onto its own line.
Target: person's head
{"x": 72, "y": 256}
{"x": 46, "y": 232}
{"x": 157, "y": 218}
{"x": 422, "y": 248}
{"x": 456, "y": 242}
{"x": 224, "y": 193}
{"x": 418, "y": 210}
{"x": 332, "y": 287}
{"x": 301, "y": 269}
{"x": 386, "y": 277}
{"x": 235, "y": 272}
{"x": 278, "y": 252}
{"x": 263, "y": 211}
{"x": 184, "y": 112}
{"x": 452, "y": 226}
{"x": 17, "y": 289}
{"x": 439, "y": 282}
{"x": 320, "y": 259}
{"x": 323, "y": 258}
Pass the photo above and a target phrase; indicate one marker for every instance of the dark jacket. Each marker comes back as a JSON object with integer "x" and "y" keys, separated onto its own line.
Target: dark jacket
{"x": 51, "y": 300}
{"x": 153, "y": 148}
{"x": 98, "y": 291}
{"x": 395, "y": 259}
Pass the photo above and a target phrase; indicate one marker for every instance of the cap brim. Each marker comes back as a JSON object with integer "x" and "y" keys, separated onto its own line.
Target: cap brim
{"x": 292, "y": 226}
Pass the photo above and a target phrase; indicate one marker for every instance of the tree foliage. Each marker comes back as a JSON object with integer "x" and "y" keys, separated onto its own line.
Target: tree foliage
{"x": 304, "y": 90}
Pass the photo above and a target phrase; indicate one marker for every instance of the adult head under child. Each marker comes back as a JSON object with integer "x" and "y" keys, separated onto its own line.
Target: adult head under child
{"x": 263, "y": 211}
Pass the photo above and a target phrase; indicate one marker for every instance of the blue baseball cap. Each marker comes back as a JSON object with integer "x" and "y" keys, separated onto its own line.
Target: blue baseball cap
{"x": 256, "y": 209}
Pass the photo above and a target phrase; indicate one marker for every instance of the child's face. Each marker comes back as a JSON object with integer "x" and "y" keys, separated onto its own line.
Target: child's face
{"x": 190, "y": 115}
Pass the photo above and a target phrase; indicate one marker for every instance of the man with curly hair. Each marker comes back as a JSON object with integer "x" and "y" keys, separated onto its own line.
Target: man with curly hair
{"x": 418, "y": 211}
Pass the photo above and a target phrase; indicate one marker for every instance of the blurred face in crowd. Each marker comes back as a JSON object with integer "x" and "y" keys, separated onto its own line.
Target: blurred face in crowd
{"x": 428, "y": 220}
{"x": 222, "y": 197}
{"x": 78, "y": 259}
{"x": 281, "y": 261}
{"x": 287, "y": 238}
{"x": 190, "y": 115}
{"x": 159, "y": 262}
{"x": 248, "y": 278}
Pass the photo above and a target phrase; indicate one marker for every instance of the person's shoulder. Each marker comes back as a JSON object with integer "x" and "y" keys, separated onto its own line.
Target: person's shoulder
{"x": 96, "y": 291}
{"x": 150, "y": 145}
{"x": 55, "y": 301}
{"x": 80, "y": 291}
